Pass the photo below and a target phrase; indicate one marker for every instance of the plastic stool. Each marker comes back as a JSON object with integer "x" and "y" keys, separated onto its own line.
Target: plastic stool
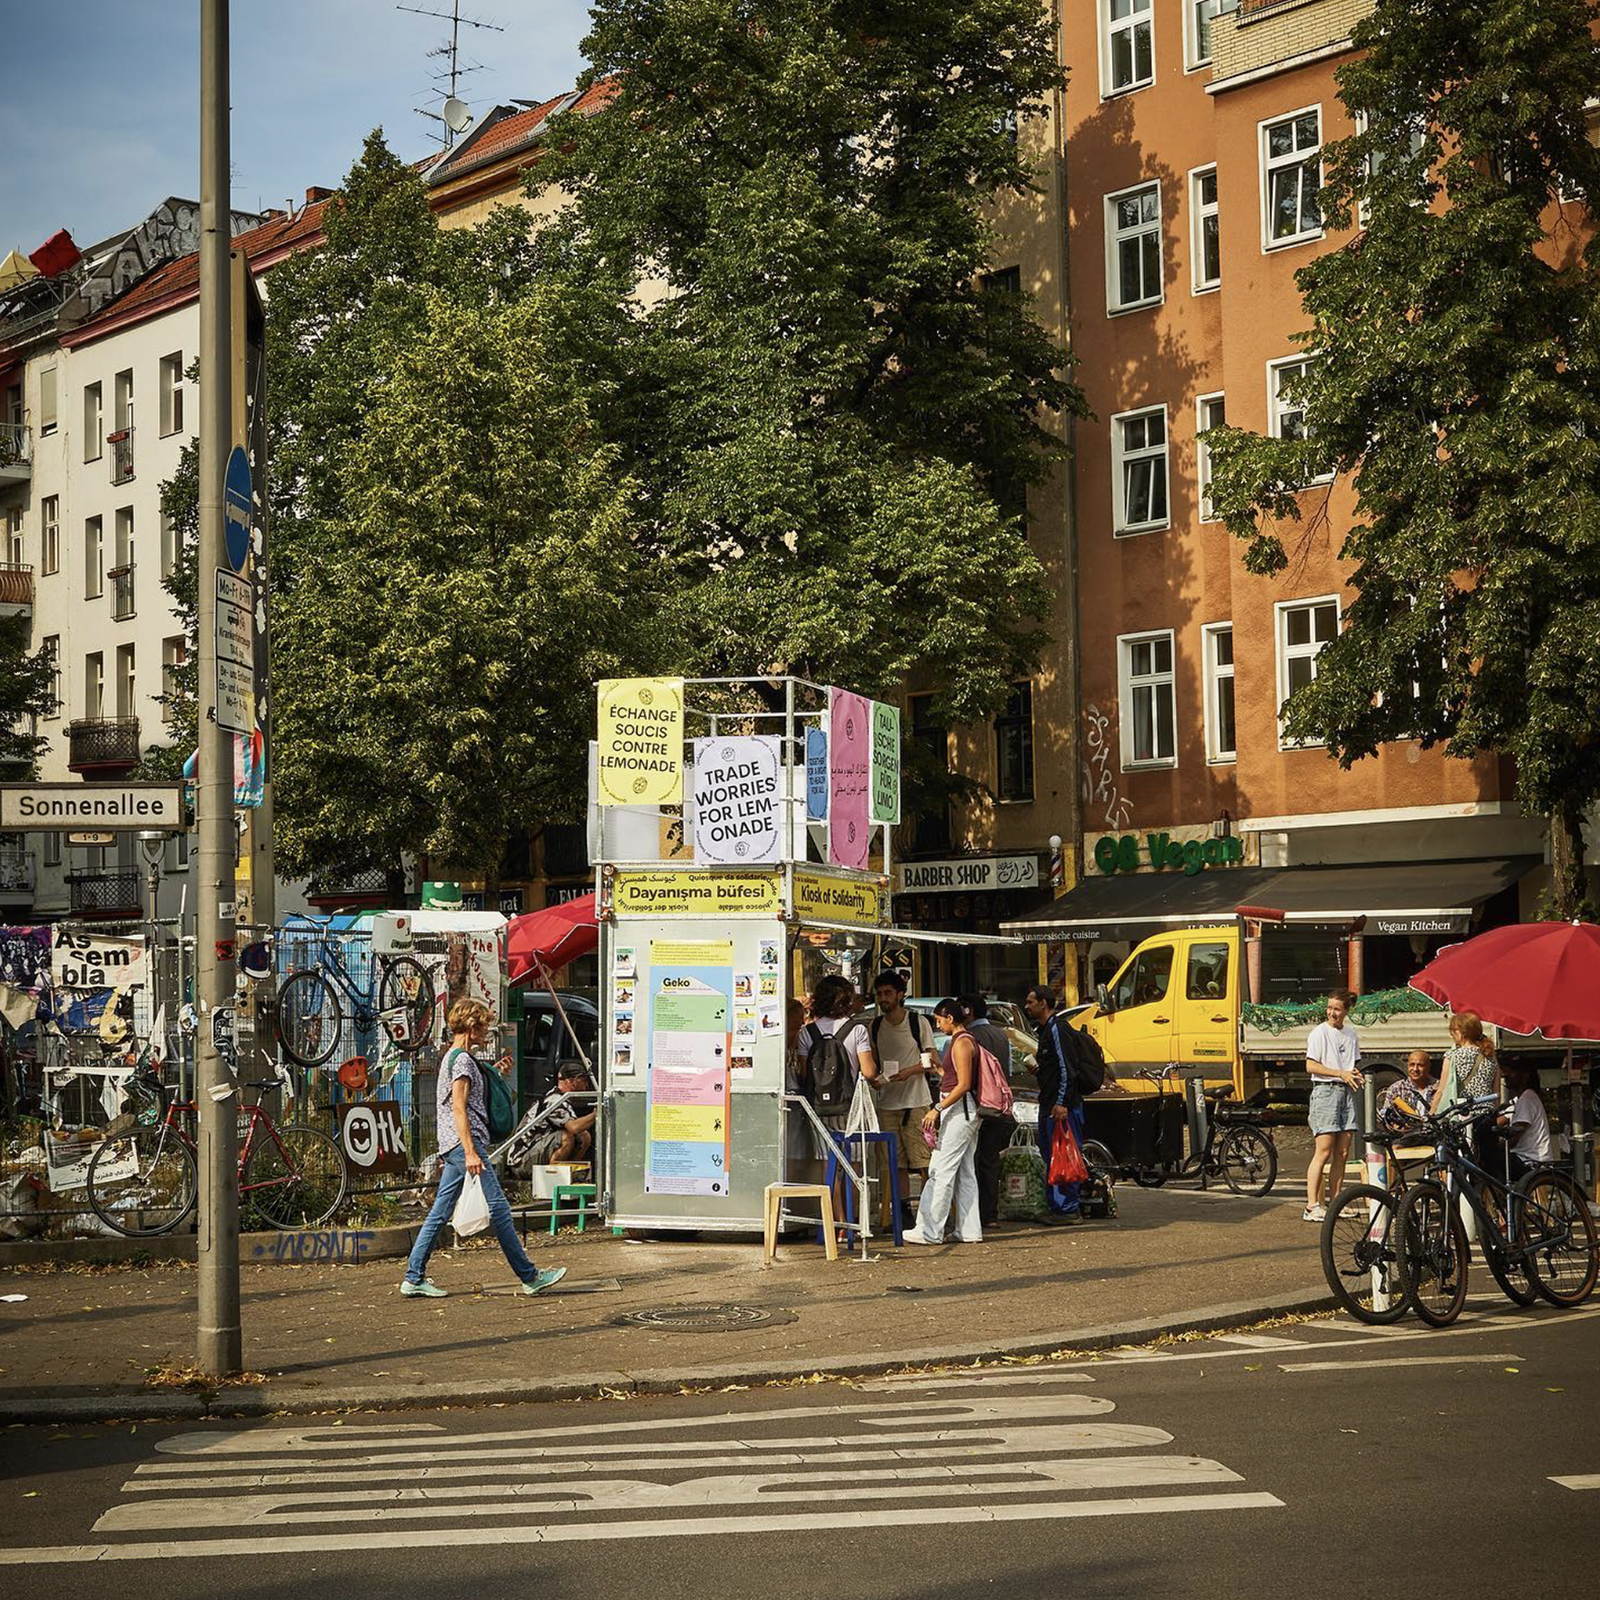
{"x": 775, "y": 1196}
{"x": 581, "y": 1192}
{"x": 846, "y": 1142}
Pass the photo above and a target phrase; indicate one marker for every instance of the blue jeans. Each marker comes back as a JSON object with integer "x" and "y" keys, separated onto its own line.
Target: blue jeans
{"x": 452, "y": 1174}
{"x": 1062, "y": 1198}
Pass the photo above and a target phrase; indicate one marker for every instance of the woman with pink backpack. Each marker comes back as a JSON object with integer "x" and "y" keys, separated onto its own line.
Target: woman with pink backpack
{"x": 951, "y": 1126}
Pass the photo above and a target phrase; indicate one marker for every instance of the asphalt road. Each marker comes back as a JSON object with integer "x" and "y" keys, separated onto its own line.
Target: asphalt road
{"x": 1314, "y": 1459}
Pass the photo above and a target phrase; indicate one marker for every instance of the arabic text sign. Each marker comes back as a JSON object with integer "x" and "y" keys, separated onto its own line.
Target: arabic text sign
{"x": 640, "y": 744}
{"x": 737, "y": 801}
{"x": 885, "y": 763}
{"x": 849, "y": 759}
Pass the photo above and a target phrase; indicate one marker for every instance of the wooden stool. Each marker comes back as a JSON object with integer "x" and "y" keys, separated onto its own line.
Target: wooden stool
{"x": 583, "y": 1193}
{"x": 777, "y": 1193}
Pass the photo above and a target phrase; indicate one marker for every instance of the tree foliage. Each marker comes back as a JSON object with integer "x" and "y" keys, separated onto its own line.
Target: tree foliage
{"x": 829, "y": 411}
{"x": 27, "y": 692}
{"x": 180, "y": 508}
{"x": 1457, "y": 385}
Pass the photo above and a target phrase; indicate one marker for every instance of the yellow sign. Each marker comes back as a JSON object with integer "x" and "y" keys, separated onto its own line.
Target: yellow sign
{"x": 691, "y": 952}
{"x": 640, "y": 745}
{"x": 696, "y": 894}
{"x": 829, "y": 899}
{"x": 699, "y": 1124}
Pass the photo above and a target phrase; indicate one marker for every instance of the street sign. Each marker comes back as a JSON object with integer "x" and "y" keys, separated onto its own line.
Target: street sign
{"x": 236, "y": 696}
{"x": 89, "y": 841}
{"x": 222, "y": 1031}
{"x": 237, "y": 508}
{"x": 235, "y": 640}
{"x": 95, "y": 806}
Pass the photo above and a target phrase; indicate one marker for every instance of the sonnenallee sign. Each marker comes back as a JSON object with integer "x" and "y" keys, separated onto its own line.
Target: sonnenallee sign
{"x": 25, "y": 806}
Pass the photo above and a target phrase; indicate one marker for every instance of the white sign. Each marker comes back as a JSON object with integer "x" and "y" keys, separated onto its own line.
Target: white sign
{"x": 737, "y": 800}
{"x": 984, "y": 873}
{"x": 235, "y": 591}
{"x": 236, "y": 696}
{"x": 92, "y": 806}
{"x": 93, "y": 961}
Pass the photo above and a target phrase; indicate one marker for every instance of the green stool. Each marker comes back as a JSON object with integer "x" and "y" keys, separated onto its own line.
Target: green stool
{"x": 583, "y": 1193}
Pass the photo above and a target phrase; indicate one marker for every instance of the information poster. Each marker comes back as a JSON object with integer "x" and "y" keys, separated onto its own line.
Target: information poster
{"x": 849, "y": 760}
{"x": 816, "y": 775}
{"x": 885, "y": 763}
{"x": 691, "y": 1064}
{"x": 639, "y": 748}
{"x": 737, "y": 803}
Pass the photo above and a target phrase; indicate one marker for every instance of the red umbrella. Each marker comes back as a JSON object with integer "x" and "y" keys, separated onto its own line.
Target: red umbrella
{"x": 553, "y": 937}
{"x": 1533, "y": 977}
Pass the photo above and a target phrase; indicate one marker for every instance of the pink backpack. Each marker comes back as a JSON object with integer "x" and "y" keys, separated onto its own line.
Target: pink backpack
{"x": 994, "y": 1091}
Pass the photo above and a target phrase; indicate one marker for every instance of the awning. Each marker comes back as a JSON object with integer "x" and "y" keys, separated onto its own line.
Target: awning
{"x": 1427, "y": 897}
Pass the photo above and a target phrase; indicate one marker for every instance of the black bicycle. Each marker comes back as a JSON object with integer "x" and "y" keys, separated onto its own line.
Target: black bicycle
{"x": 1239, "y": 1147}
{"x": 1362, "y": 1258}
{"x": 1537, "y": 1234}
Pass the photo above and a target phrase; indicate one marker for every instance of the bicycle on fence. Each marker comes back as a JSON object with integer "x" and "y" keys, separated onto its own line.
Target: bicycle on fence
{"x": 398, "y": 996}
{"x": 142, "y": 1181}
{"x": 1238, "y": 1147}
{"x": 1537, "y": 1234}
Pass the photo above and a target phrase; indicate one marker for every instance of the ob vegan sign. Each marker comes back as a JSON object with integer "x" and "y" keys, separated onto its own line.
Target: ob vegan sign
{"x": 1160, "y": 852}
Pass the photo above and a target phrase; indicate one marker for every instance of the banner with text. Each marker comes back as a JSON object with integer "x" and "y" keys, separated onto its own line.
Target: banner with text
{"x": 885, "y": 763}
{"x": 738, "y": 803}
{"x": 849, "y": 763}
{"x": 640, "y": 745}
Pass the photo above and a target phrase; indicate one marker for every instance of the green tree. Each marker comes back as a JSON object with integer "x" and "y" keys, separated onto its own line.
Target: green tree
{"x": 180, "y": 507}
{"x": 1457, "y": 385}
{"x": 27, "y": 692}
{"x": 829, "y": 411}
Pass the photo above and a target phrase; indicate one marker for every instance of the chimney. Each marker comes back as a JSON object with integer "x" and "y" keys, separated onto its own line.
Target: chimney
{"x": 315, "y": 193}
{"x": 273, "y": 214}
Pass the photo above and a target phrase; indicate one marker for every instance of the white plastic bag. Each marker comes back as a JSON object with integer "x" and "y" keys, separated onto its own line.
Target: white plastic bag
{"x": 472, "y": 1210}
{"x": 863, "y": 1117}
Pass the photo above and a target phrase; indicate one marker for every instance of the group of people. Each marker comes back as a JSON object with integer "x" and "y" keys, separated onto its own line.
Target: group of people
{"x": 944, "y": 1138}
{"x": 1470, "y": 1070}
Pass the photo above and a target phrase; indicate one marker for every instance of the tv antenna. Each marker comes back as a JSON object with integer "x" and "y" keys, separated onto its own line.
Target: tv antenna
{"x": 454, "y": 113}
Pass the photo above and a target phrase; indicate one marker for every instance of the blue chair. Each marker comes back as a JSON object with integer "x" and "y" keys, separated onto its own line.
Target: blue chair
{"x": 849, "y": 1143}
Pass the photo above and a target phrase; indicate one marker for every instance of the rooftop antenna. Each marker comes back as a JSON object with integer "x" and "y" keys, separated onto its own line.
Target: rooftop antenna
{"x": 454, "y": 113}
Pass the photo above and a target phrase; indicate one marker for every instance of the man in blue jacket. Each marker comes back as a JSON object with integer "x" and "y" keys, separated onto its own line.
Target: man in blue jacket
{"x": 1059, "y": 1098}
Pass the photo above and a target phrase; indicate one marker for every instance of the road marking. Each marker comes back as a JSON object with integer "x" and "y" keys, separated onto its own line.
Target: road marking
{"x": 1390, "y": 1361}
{"x": 988, "y": 1378}
{"x": 1259, "y": 1341}
{"x": 1582, "y": 1480}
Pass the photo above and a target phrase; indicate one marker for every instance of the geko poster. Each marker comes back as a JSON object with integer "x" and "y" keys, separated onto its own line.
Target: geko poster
{"x": 691, "y": 1046}
{"x": 737, "y": 801}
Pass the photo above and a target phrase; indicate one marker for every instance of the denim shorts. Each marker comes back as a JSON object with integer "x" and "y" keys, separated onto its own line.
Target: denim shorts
{"x": 1333, "y": 1108}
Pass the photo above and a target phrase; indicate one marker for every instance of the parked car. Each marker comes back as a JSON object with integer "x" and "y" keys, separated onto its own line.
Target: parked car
{"x": 547, "y": 1043}
{"x": 1012, "y": 1021}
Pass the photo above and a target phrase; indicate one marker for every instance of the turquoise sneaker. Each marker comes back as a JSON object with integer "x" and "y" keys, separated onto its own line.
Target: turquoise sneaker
{"x": 545, "y": 1280}
{"x": 427, "y": 1288}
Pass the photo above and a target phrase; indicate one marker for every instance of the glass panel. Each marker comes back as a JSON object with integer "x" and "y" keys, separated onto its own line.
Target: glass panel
{"x": 1280, "y": 139}
{"x": 1150, "y": 204}
{"x": 1327, "y": 623}
{"x": 1222, "y": 647}
{"x": 1128, "y": 287}
{"x": 1285, "y": 204}
{"x": 1143, "y": 729}
{"x": 1150, "y": 260}
{"x": 1151, "y": 975}
{"x": 1139, "y": 659}
{"x": 1207, "y": 184}
{"x": 1208, "y": 972}
{"x": 1127, "y": 213}
{"x": 1162, "y": 650}
{"x": 1302, "y": 670}
{"x": 1164, "y": 721}
{"x": 1227, "y": 737}
{"x": 1210, "y": 250}
{"x": 1155, "y": 428}
{"x": 1138, "y": 478}
{"x": 1297, "y": 626}
{"x": 1146, "y": 66}
{"x": 1121, "y": 60}
{"x": 1305, "y": 131}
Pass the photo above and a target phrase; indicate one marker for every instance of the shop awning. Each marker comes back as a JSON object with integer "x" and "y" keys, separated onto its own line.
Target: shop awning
{"x": 1394, "y": 898}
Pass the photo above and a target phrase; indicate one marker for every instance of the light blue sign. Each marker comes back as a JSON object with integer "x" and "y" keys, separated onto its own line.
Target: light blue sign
{"x": 816, "y": 775}
{"x": 236, "y": 508}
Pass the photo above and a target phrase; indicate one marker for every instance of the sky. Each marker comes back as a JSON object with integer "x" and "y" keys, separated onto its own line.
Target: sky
{"x": 99, "y": 116}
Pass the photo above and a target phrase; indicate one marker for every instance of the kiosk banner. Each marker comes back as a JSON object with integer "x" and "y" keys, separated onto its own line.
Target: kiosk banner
{"x": 737, "y": 800}
{"x": 696, "y": 894}
{"x": 885, "y": 763}
{"x": 829, "y": 899}
{"x": 640, "y": 745}
{"x": 849, "y": 762}
{"x": 691, "y": 1004}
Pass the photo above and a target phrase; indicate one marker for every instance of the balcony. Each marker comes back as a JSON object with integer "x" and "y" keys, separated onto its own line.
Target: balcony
{"x": 16, "y": 452}
{"x": 121, "y": 592}
{"x": 107, "y": 747}
{"x": 105, "y": 894}
{"x": 16, "y": 584}
{"x": 121, "y": 444}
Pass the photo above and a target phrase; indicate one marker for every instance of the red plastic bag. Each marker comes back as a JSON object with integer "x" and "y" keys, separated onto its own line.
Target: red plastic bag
{"x": 1066, "y": 1156}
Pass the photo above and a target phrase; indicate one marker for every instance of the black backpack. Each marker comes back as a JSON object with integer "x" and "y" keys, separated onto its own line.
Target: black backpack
{"x": 1081, "y": 1051}
{"x": 830, "y": 1073}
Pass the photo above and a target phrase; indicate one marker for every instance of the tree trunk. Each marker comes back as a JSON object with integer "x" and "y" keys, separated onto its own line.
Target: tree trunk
{"x": 1568, "y": 897}
{"x": 396, "y": 890}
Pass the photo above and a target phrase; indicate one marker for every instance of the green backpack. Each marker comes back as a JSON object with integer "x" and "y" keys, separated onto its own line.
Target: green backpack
{"x": 500, "y": 1105}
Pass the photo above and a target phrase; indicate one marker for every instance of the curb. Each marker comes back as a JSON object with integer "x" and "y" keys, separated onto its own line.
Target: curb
{"x": 323, "y": 1246}
{"x": 304, "y": 1400}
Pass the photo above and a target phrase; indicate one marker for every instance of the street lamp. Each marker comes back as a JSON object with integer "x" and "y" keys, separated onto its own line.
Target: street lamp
{"x": 152, "y": 846}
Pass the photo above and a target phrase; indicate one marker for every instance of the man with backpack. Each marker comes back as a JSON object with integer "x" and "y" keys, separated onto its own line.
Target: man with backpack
{"x": 903, "y": 1047}
{"x": 834, "y": 1055}
{"x": 1070, "y": 1065}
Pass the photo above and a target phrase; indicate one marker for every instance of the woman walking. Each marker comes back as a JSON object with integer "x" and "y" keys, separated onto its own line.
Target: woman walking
{"x": 952, "y": 1185}
{"x": 463, "y": 1114}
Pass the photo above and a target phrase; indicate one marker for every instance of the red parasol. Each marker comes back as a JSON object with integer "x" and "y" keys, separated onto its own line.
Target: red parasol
{"x": 1533, "y": 977}
{"x": 551, "y": 937}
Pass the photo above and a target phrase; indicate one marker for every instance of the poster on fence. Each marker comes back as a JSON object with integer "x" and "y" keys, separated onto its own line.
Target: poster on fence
{"x": 737, "y": 800}
{"x": 96, "y": 961}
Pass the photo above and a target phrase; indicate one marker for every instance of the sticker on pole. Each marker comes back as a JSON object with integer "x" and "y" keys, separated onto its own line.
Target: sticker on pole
{"x": 236, "y": 508}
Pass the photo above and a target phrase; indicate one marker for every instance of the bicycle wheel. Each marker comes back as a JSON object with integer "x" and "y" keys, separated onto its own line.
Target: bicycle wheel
{"x": 1099, "y": 1160}
{"x": 143, "y": 1185}
{"x": 310, "y": 1018}
{"x": 296, "y": 1180}
{"x": 1434, "y": 1245}
{"x": 1361, "y": 1256}
{"x": 1249, "y": 1161}
{"x": 1516, "y": 1280}
{"x": 405, "y": 1003}
{"x": 1553, "y": 1212}
{"x": 1150, "y": 1177}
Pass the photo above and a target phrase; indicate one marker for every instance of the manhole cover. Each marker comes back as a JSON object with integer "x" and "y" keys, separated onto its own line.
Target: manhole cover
{"x": 704, "y": 1319}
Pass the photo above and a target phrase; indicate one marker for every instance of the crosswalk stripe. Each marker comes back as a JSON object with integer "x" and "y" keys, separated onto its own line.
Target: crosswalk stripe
{"x": 1259, "y": 1341}
{"x": 1392, "y": 1361}
{"x": 1581, "y": 1480}
{"x": 989, "y": 1378}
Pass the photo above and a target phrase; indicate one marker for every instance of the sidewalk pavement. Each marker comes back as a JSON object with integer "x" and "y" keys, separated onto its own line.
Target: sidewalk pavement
{"x": 112, "y": 1342}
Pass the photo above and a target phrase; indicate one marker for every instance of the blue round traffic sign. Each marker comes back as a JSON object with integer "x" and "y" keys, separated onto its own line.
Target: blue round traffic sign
{"x": 237, "y": 508}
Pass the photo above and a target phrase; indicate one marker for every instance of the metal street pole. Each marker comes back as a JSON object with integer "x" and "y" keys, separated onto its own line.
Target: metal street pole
{"x": 218, "y": 1342}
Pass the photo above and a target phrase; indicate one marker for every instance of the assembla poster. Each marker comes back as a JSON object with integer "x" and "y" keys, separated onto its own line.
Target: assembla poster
{"x": 738, "y": 802}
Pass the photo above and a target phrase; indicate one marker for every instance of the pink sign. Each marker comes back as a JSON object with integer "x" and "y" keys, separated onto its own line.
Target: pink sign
{"x": 849, "y": 762}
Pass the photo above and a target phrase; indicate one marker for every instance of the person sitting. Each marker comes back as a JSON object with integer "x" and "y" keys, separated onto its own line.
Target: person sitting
{"x": 1409, "y": 1097}
{"x": 1527, "y": 1127}
{"x": 560, "y": 1132}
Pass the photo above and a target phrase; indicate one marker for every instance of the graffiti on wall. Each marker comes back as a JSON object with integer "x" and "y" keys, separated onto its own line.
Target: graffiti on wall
{"x": 1100, "y": 792}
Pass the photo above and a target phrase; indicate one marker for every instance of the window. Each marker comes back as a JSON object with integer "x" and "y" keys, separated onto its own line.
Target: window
{"x": 1568, "y": 192}
{"x": 171, "y": 546}
{"x": 52, "y": 849}
{"x": 1133, "y": 248}
{"x": 1205, "y": 229}
{"x": 1291, "y": 174}
{"x": 50, "y": 540}
{"x": 1013, "y": 743}
{"x": 94, "y": 687}
{"x": 1139, "y": 470}
{"x": 1416, "y": 138}
{"x": 174, "y": 653}
{"x": 47, "y": 401}
{"x": 50, "y": 649}
{"x": 1288, "y": 411}
{"x": 1209, "y": 412}
{"x": 1201, "y": 15}
{"x": 123, "y": 390}
{"x": 94, "y": 424}
{"x": 1222, "y": 740}
{"x": 1127, "y": 48}
{"x": 16, "y": 545}
{"x": 178, "y": 853}
{"x": 172, "y": 393}
{"x": 127, "y": 702}
{"x": 1207, "y": 977}
{"x": 1149, "y": 736}
{"x": 1003, "y": 280}
{"x": 1304, "y": 627}
{"x": 94, "y": 559}
{"x": 1146, "y": 978}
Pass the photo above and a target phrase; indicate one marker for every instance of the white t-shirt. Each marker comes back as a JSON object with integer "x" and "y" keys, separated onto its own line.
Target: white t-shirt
{"x": 1335, "y": 1048}
{"x": 897, "y": 1050}
{"x": 1530, "y": 1128}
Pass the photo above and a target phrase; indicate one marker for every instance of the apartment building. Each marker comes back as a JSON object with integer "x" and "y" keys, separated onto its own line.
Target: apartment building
{"x": 1193, "y": 134}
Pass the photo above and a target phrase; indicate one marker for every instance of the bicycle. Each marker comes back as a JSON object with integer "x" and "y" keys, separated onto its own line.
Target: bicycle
{"x": 1537, "y": 1234}
{"x": 311, "y": 1018}
{"x": 1238, "y": 1148}
{"x": 1361, "y": 1250}
{"x": 142, "y": 1182}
